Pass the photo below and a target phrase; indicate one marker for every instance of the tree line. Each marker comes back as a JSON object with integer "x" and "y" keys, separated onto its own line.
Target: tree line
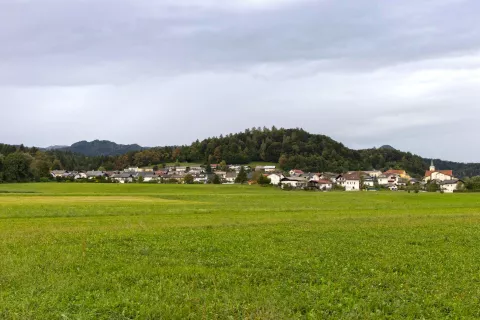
{"x": 290, "y": 148}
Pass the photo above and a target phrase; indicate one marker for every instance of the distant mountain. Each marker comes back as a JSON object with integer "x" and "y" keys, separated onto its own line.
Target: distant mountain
{"x": 102, "y": 148}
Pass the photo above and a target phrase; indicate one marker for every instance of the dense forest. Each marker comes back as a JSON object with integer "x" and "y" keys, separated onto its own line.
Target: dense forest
{"x": 290, "y": 148}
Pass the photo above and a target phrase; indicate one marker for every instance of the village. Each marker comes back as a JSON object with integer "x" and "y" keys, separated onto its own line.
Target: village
{"x": 393, "y": 180}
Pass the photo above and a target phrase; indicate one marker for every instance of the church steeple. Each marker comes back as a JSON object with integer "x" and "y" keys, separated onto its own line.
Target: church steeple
{"x": 432, "y": 166}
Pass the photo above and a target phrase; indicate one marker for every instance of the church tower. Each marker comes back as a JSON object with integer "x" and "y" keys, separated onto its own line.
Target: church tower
{"x": 432, "y": 166}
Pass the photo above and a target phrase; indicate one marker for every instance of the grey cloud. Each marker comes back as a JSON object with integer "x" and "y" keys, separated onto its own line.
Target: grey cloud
{"x": 366, "y": 72}
{"x": 57, "y": 42}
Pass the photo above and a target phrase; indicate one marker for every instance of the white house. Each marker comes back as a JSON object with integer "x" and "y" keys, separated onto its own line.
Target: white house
{"x": 383, "y": 180}
{"x": 275, "y": 178}
{"x": 295, "y": 182}
{"x": 269, "y": 168}
{"x": 449, "y": 186}
{"x": 147, "y": 176}
{"x": 180, "y": 170}
{"x": 123, "y": 177}
{"x": 324, "y": 184}
{"x": 81, "y": 175}
{"x": 352, "y": 181}
{"x": 133, "y": 169}
{"x": 368, "y": 181}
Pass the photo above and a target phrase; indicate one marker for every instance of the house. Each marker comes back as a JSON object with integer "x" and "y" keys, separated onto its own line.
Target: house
{"x": 309, "y": 176}
{"x": 374, "y": 173}
{"x": 200, "y": 178}
{"x": 369, "y": 181}
{"x": 221, "y": 174}
{"x": 57, "y": 173}
{"x": 146, "y": 176}
{"x": 450, "y": 186}
{"x": 230, "y": 177}
{"x": 269, "y": 168}
{"x": 328, "y": 176}
{"x": 124, "y": 177}
{"x": 325, "y": 184}
{"x": 80, "y": 175}
{"x": 402, "y": 182}
{"x": 161, "y": 172}
{"x": 383, "y": 180}
{"x": 96, "y": 174}
{"x": 296, "y": 172}
{"x": 196, "y": 170}
{"x": 294, "y": 182}
{"x": 351, "y": 181}
{"x": 393, "y": 179}
{"x": 133, "y": 169}
{"x": 275, "y": 178}
{"x": 400, "y": 173}
{"x": 180, "y": 169}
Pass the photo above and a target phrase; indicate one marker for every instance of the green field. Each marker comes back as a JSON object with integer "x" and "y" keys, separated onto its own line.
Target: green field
{"x": 93, "y": 251}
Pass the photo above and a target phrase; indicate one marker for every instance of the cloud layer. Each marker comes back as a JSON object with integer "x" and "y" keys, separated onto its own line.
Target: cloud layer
{"x": 367, "y": 73}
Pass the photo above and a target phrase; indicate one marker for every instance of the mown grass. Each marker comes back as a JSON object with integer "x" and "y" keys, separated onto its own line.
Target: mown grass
{"x": 83, "y": 251}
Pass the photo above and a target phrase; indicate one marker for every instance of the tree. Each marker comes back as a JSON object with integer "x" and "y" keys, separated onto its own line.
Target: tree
{"x": 102, "y": 169}
{"x": 17, "y": 167}
{"x": 208, "y": 169}
{"x": 188, "y": 179}
{"x": 216, "y": 179}
{"x": 57, "y": 165}
{"x": 155, "y": 168}
{"x": 263, "y": 180}
{"x": 2, "y": 159}
{"x": 282, "y": 161}
{"x": 242, "y": 176}
{"x": 432, "y": 186}
{"x": 40, "y": 169}
{"x": 223, "y": 166}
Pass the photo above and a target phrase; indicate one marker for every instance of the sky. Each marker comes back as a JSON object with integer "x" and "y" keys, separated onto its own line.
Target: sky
{"x": 166, "y": 72}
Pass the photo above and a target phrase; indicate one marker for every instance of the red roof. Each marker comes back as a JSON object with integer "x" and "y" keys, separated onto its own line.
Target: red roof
{"x": 445, "y": 172}
{"x": 298, "y": 171}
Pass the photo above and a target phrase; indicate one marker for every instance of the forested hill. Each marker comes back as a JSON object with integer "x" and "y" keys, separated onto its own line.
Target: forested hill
{"x": 290, "y": 148}
{"x": 98, "y": 148}
{"x": 103, "y": 148}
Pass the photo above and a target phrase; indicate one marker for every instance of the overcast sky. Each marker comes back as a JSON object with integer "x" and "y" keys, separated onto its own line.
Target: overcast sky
{"x": 365, "y": 72}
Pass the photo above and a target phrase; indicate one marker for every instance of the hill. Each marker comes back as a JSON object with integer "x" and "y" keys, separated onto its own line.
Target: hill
{"x": 103, "y": 148}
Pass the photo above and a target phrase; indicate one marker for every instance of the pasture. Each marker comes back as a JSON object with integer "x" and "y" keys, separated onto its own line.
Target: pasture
{"x": 140, "y": 251}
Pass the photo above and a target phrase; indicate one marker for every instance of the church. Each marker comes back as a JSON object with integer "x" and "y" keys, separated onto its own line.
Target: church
{"x": 437, "y": 175}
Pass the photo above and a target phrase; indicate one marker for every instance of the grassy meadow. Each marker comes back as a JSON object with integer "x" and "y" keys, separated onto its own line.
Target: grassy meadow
{"x": 109, "y": 251}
